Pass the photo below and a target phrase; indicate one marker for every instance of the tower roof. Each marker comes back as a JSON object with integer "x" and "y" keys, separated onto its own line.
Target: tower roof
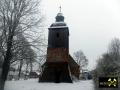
{"x": 59, "y": 17}
{"x": 59, "y": 21}
{"x": 59, "y": 24}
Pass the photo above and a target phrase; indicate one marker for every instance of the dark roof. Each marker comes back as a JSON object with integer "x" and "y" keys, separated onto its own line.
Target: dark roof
{"x": 59, "y": 17}
{"x": 72, "y": 62}
{"x": 33, "y": 73}
{"x": 58, "y": 24}
{"x": 59, "y": 21}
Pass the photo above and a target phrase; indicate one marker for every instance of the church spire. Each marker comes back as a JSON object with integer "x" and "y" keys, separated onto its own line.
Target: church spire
{"x": 60, "y": 17}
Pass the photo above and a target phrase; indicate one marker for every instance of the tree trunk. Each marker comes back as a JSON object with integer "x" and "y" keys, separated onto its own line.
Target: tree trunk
{"x": 6, "y": 63}
{"x": 20, "y": 68}
{"x": 26, "y": 74}
{"x": 31, "y": 66}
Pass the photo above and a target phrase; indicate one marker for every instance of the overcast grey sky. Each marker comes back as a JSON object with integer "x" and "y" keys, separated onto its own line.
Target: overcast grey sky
{"x": 92, "y": 24}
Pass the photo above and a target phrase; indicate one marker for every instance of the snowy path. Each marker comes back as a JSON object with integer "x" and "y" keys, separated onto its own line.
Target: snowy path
{"x": 34, "y": 85}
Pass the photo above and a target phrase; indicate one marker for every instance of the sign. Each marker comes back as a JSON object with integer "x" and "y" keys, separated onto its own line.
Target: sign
{"x": 108, "y": 82}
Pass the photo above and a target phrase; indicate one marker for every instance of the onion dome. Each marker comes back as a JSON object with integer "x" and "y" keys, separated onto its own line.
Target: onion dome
{"x": 59, "y": 21}
{"x": 60, "y": 17}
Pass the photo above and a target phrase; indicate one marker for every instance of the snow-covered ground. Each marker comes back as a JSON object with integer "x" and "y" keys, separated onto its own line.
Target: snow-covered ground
{"x": 33, "y": 84}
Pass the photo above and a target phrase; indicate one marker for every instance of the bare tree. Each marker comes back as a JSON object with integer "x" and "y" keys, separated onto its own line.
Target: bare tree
{"x": 81, "y": 59}
{"x": 114, "y": 49}
{"x": 108, "y": 64}
{"x": 114, "y": 52}
{"x": 22, "y": 53}
{"x": 16, "y": 16}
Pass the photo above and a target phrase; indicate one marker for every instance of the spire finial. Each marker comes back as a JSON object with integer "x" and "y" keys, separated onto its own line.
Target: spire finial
{"x": 60, "y": 17}
{"x": 60, "y": 8}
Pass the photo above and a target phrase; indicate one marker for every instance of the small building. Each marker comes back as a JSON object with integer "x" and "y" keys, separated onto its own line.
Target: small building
{"x": 33, "y": 75}
{"x": 86, "y": 75}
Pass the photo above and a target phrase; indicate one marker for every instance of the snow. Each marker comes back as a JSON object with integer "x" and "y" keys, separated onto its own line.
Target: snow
{"x": 59, "y": 27}
{"x": 33, "y": 84}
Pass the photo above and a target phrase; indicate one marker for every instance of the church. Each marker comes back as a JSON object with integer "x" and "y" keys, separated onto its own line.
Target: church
{"x": 59, "y": 65}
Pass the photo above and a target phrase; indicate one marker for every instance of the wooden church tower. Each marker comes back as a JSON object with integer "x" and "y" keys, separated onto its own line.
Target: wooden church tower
{"x": 59, "y": 65}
